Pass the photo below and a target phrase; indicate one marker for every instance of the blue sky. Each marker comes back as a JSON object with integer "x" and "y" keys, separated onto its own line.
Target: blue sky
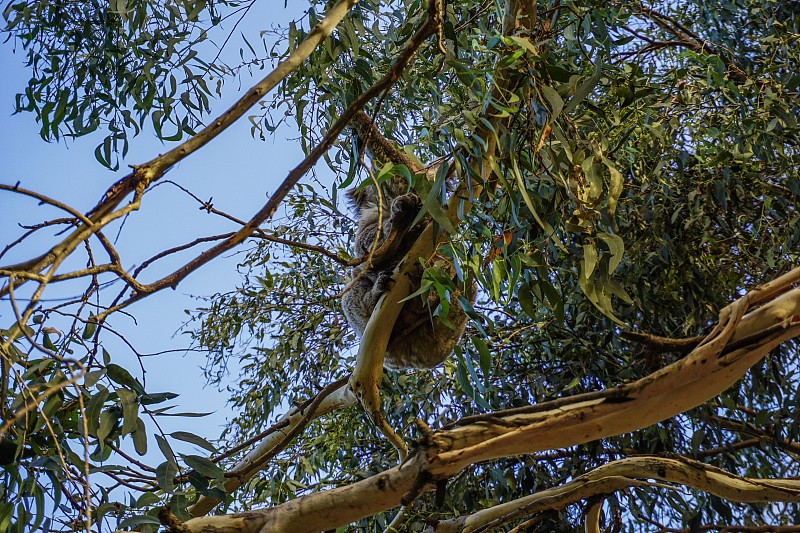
{"x": 235, "y": 169}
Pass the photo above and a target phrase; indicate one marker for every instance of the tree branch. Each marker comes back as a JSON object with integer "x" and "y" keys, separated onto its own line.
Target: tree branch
{"x": 622, "y": 474}
{"x": 333, "y": 397}
{"x": 171, "y": 280}
{"x": 368, "y": 372}
{"x": 144, "y": 175}
{"x": 338, "y": 507}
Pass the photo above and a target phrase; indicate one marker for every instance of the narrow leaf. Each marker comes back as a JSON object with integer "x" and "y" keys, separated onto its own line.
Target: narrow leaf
{"x": 203, "y": 466}
{"x": 617, "y": 247}
{"x": 194, "y": 439}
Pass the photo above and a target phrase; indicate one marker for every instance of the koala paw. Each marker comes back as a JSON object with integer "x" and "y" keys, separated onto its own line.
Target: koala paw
{"x": 407, "y": 204}
{"x": 384, "y": 281}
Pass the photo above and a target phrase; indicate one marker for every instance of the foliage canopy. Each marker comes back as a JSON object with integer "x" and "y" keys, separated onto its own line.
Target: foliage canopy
{"x": 643, "y": 174}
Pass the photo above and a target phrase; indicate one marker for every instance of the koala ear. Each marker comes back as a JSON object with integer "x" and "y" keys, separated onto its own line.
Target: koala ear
{"x": 362, "y": 198}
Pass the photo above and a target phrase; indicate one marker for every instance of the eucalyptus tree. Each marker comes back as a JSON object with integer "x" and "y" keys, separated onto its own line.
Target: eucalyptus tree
{"x": 619, "y": 178}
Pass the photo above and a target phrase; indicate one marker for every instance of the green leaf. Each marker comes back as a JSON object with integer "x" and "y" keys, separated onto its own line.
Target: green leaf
{"x": 130, "y": 410}
{"x": 523, "y": 43}
{"x": 525, "y": 297}
{"x": 157, "y": 397}
{"x": 617, "y": 247}
{"x": 432, "y": 203}
{"x": 485, "y": 356}
{"x": 555, "y": 101}
{"x": 618, "y": 290}
{"x": 203, "y": 466}
{"x": 165, "y": 448}
{"x": 93, "y": 409}
{"x": 147, "y": 499}
{"x": 548, "y": 229}
{"x": 89, "y": 330}
{"x": 185, "y": 414}
{"x": 108, "y": 422}
{"x": 194, "y": 439}
{"x": 165, "y": 475}
{"x": 589, "y": 260}
{"x": 585, "y": 88}
{"x": 6, "y": 513}
{"x": 463, "y": 379}
{"x": 90, "y": 379}
{"x": 139, "y": 437}
{"x": 615, "y": 187}
{"x": 123, "y": 377}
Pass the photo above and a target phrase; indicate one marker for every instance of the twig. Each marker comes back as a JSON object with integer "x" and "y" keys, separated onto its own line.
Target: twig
{"x": 47, "y": 200}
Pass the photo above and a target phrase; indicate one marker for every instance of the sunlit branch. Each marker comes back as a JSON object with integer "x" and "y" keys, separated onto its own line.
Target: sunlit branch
{"x": 333, "y": 397}
{"x": 619, "y": 475}
{"x": 144, "y": 175}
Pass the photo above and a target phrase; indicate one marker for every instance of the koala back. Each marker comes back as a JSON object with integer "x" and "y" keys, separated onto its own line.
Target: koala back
{"x": 418, "y": 339}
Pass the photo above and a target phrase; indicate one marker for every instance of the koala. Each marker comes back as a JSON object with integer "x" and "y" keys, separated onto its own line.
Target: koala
{"x": 418, "y": 340}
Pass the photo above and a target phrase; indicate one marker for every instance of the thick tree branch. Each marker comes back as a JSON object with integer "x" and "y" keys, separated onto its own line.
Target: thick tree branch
{"x": 625, "y": 473}
{"x": 322, "y": 510}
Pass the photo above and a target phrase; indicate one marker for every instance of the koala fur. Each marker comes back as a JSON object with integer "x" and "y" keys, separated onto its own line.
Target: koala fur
{"x": 418, "y": 340}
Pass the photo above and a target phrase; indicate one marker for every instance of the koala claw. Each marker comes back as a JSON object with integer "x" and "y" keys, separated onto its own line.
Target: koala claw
{"x": 407, "y": 203}
{"x": 384, "y": 281}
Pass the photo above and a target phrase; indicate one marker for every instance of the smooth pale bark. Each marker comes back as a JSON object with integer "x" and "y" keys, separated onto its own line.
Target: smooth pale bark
{"x": 704, "y": 373}
{"x": 700, "y": 376}
{"x": 592, "y": 523}
{"x": 626, "y": 473}
{"x": 339, "y": 399}
{"x": 323, "y": 510}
